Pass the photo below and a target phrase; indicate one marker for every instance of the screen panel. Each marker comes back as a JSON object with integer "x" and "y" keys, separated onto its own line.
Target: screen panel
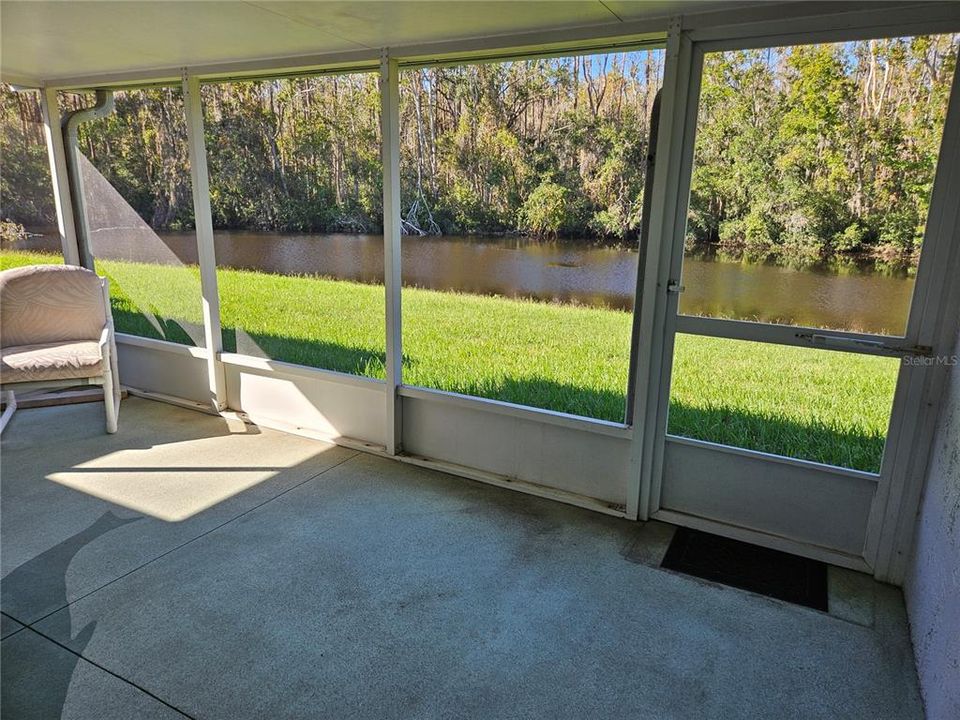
{"x": 295, "y": 192}
{"x": 522, "y": 198}
{"x": 137, "y": 194}
{"x": 28, "y": 216}
{"x": 823, "y": 405}
{"x": 813, "y": 168}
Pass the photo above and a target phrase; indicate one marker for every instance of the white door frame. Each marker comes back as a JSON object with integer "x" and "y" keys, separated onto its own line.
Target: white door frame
{"x": 889, "y": 528}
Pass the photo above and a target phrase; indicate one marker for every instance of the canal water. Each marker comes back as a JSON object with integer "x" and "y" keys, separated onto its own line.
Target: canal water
{"x": 563, "y": 271}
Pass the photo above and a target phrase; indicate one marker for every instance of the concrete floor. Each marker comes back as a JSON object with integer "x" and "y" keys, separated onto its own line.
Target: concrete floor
{"x": 186, "y": 567}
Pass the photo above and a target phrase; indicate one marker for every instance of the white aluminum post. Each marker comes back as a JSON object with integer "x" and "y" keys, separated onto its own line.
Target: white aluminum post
{"x": 642, "y": 484}
{"x": 203, "y": 219}
{"x": 58, "y": 174}
{"x": 933, "y": 322}
{"x": 390, "y": 153}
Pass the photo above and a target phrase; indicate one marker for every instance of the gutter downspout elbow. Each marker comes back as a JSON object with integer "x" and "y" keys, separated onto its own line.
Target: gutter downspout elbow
{"x": 69, "y": 127}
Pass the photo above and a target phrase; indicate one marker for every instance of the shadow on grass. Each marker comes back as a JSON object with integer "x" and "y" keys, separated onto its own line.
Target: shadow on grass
{"x": 850, "y": 447}
{"x": 546, "y": 394}
{"x": 311, "y": 353}
{"x": 158, "y": 328}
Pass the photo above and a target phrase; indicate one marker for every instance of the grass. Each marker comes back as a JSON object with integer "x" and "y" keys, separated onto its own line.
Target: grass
{"x": 819, "y": 405}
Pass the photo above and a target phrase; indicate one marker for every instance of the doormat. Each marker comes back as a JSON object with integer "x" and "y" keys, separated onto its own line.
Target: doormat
{"x": 748, "y": 567}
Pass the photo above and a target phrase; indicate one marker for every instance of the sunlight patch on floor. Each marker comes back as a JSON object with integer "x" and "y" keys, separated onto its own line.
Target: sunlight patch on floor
{"x": 177, "y": 480}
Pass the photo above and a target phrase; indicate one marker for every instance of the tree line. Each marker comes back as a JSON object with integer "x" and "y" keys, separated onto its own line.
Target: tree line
{"x": 821, "y": 150}
{"x": 810, "y": 151}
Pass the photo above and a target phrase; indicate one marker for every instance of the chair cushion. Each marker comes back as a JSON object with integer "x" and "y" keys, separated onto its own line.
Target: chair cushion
{"x": 50, "y": 361}
{"x": 50, "y": 304}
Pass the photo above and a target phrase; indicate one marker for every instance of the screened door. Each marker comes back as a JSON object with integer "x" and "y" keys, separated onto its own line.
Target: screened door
{"x": 795, "y": 310}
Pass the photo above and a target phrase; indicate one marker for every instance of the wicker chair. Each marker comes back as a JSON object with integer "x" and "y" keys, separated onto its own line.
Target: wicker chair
{"x": 56, "y": 331}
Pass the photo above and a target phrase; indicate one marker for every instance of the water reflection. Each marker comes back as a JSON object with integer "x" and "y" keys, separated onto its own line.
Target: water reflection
{"x": 856, "y": 300}
{"x": 562, "y": 271}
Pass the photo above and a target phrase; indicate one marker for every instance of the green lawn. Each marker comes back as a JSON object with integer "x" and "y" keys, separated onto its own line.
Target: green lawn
{"x": 826, "y": 406}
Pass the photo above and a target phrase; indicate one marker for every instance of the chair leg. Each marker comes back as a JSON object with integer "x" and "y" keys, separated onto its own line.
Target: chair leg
{"x": 8, "y": 411}
{"x": 111, "y": 391}
{"x": 111, "y": 372}
{"x": 115, "y": 373}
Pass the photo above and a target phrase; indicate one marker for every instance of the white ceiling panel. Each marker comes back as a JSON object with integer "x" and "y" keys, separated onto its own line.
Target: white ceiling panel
{"x": 379, "y": 24}
{"x": 91, "y": 39}
{"x": 627, "y": 10}
{"x": 57, "y": 39}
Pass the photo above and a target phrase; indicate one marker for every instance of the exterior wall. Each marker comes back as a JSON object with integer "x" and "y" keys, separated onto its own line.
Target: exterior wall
{"x": 301, "y": 399}
{"x": 932, "y": 589}
{"x": 164, "y": 368}
{"x": 568, "y": 459}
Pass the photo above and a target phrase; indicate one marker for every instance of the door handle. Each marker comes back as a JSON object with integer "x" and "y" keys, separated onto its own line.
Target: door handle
{"x": 850, "y": 343}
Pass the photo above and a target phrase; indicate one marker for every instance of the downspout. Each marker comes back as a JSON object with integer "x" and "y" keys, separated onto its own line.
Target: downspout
{"x": 69, "y": 126}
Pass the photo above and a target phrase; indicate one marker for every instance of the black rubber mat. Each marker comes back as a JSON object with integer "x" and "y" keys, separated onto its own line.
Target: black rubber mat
{"x": 748, "y": 567}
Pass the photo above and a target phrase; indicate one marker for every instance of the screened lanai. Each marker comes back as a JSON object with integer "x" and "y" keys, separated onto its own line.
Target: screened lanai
{"x": 480, "y": 359}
